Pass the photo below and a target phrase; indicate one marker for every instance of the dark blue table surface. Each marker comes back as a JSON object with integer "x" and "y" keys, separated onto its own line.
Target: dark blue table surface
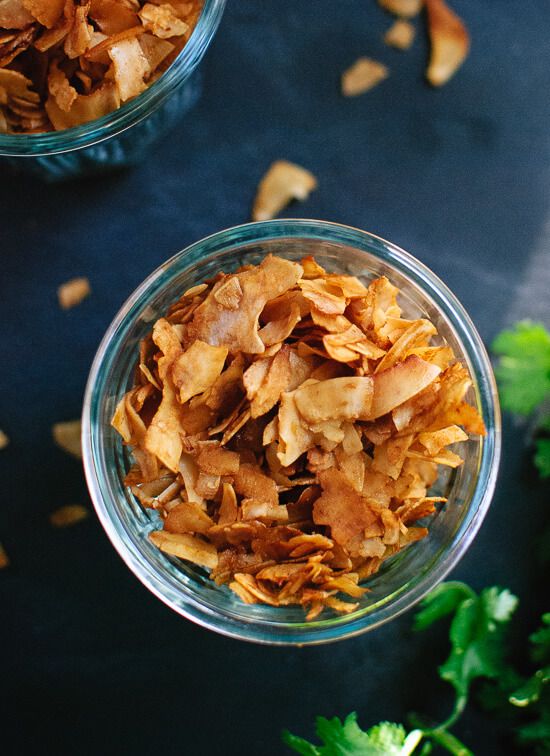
{"x": 90, "y": 661}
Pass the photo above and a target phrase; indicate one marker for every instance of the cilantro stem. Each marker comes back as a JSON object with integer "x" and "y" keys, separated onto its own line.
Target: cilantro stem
{"x": 449, "y": 742}
{"x": 441, "y": 736}
{"x": 460, "y": 705}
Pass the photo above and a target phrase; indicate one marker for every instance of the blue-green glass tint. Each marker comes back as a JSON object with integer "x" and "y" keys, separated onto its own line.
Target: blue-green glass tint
{"x": 124, "y": 136}
{"x": 405, "y": 578}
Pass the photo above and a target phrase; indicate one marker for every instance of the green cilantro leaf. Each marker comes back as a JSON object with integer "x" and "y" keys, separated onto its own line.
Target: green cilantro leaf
{"x": 524, "y": 369}
{"x": 477, "y": 641}
{"x": 348, "y": 739}
{"x": 440, "y": 602}
{"x": 542, "y": 457}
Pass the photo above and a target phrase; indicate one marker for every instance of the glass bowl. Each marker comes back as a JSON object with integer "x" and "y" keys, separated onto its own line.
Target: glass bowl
{"x": 124, "y": 136}
{"x": 404, "y": 578}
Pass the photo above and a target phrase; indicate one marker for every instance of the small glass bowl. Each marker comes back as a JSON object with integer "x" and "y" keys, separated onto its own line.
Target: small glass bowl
{"x": 404, "y": 578}
{"x": 123, "y": 137}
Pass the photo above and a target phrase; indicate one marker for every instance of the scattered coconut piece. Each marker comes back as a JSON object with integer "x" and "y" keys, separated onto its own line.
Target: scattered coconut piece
{"x": 450, "y": 42}
{"x": 67, "y": 436}
{"x": 283, "y": 182}
{"x": 72, "y": 292}
{"x": 362, "y": 76}
{"x": 400, "y": 34}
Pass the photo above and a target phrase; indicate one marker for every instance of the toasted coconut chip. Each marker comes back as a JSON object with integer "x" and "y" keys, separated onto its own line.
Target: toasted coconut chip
{"x": 403, "y": 8}
{"x": 394, "y": 386}
{"x": 275, "y": 378}
{"x": 74, "y": 291}
{"x": 327, "y": 298}
{"x": 79, "y": 37}
{"x": 187, "y": 517}
{"x": 130, "y": 68}
{"x": 112, "y": 16}
{"x": 294, "y": 437}
{"x": 155, "y": 50}
{"x": 186, "y": 547}
{"x": 243, "y": 593}
{"x": 311, "y": 267}
{"x": 46, "y": 12}
{"x": 445, "y": 457}
{"x": 331, "y": 323}
{"x": 335, "y": 399}
{"x": 389, "y": 457}
{"x": 228, "y": 508}
{"x": 251, "y": 483}
{"x": 229, "y": 293}
{"x": 400, "y": 34}
{"x": 353, "y": 466}
{"x": 341, "y": 508}
{"x": 67, "y": 436}
{"x": 417, "y": 334}
{"x": 68, "y": 515}
{"x": 162, "y": 20}
{"x": 100, "y": 44}
{"x": 279, "y": 330}
{"x": 450, "y": 42}
{"x": 250, "y": 584}
{"x": 52, "y": 37}
{"x": 14, "y": 14}
{"x": 344, "y": 607}
{"x": 282, "y": 183}
{"x": 214, "y": 460}
{"x": 163, "y": 437}
{"x": 65, "y": 95}
{"x": 362, "y": 76}
{"x": 467, "y": 416}
{"x": 435, "y": 441}
{"x": 85, "y": 107}
{"x": 238, "y": 330}
{"x": 441, "y": 356}
{"x": 197, "y": 369}
{"x": 252, "y": 509}
{"x": 4, "y": 440}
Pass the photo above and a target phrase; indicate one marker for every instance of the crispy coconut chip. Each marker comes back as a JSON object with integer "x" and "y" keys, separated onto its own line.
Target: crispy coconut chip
{"x": 14, "y": 14}
{"x": 282, "y": 183}
{"x": 400, "y": 34}
{"x": 287, "y": 424}
{"x": 162, "y": 20}
{"x": 363, "y": 75}
{"x": 450, "y": 42}
{"x": 46, "y": 12}
{"x": 403, "y": 8}
{"x": 130, "y": 67}
{"x": 238, "y": 329}
{"x": 67, "y": 437}
{"x": 68, "y": 515}
{"x": 186, "y": 547}
{"x": 196, "y": 370}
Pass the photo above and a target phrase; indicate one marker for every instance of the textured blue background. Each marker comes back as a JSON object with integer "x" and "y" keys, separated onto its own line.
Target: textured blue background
{"x": 90, "y": 662}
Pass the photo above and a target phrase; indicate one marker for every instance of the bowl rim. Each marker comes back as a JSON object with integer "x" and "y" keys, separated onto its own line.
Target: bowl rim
{"x": 265, "y": 632}
{"x": 131, "y": 112}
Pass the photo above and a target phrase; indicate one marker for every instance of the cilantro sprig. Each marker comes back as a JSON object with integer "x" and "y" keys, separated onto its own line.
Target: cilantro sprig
{"x": 523, "y": 375}
{"x": 478, "y": 651}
